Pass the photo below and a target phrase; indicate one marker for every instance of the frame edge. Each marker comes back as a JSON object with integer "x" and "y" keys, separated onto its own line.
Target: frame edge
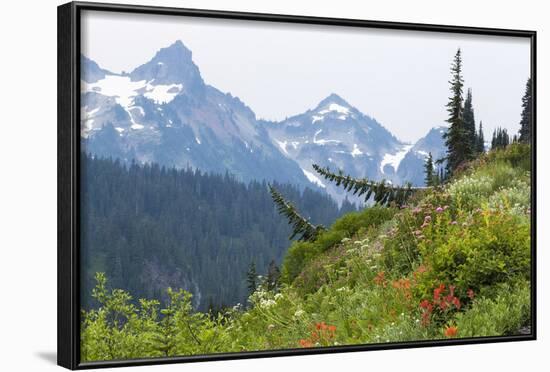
{"x": 66, "y": 310}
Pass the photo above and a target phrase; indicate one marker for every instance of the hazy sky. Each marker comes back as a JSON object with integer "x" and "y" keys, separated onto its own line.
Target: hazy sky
{"x": 398, "y": 77}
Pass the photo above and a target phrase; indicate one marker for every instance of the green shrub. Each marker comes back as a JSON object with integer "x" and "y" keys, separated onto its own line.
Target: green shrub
{"x": 301, "y": 253}
{"x": 509, "y": 310}
{"x": 480, "y": 249}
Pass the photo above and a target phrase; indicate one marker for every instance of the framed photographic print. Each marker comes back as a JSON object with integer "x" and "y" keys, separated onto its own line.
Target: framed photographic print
{"x": 235, "y": 185}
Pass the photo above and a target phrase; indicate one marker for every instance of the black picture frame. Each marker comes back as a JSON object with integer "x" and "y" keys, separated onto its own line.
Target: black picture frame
{"x": 68, "y": 93}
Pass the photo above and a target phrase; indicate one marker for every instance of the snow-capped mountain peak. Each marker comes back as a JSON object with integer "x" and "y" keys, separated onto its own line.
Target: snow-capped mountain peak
{"x": 333, "y": 106}
{"x": 170, "y": 65}
{"x": 163, "y": 112}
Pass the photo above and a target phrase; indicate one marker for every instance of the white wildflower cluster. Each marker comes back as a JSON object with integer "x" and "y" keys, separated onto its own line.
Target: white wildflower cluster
{"x": 343, "y": 289}
{"x": 299, "y": 313}
{"x": 267, "y": 303}
{"x": 516, "y": 198}
{"x": 345, "y": 240}
{"x": 469, "y": 189}
{"x": 262, "y": 299}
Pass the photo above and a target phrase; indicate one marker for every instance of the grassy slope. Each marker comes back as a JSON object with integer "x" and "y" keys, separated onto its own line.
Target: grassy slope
{"x": 392, "y": 280}
{"x": 454, "y": 263}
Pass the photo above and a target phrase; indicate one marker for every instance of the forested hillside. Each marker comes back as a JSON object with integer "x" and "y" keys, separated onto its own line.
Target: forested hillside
{"x": 149, "y": 228}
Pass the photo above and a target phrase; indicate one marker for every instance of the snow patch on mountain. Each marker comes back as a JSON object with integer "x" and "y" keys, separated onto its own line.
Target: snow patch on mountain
{"x": 322, "y": 142}
{"x": 124, "y": 90}
{"x": 313, "y": 178}
{"x": 356, "y": 152}
{"x": 335, "y": 107}
{"x": 394, "y": 160}
{"x": 162, "y": 93}
{"x": 282, "y": 145}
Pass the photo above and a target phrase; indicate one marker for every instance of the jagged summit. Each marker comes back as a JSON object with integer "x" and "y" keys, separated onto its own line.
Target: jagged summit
{"x": 170, "y": 65}
{"x": 333, "y": 99}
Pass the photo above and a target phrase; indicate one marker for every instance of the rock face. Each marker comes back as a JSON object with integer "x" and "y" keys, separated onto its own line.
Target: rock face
{"x": 163, "y": 112}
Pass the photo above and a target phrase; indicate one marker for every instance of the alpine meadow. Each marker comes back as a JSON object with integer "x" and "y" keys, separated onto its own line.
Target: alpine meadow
{"x": 208, "y": 228}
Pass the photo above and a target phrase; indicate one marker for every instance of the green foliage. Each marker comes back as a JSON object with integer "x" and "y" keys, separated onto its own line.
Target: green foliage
{"x": 454, "y": 262}
{"x": 476, "y": 250}
{"x": 518, "y": 155}
{"x": 526, "y": 114}
{"x": 480, "y": 140}
{"x": 301, "y": 253}
{"x": 504, "y": 313}
{"x": 383, "y": 194}
{"x": 149, "y": 227}
{"x": 501, "y": 139}
{"x": 430, "y": 178}
{"x": 300, "y": 225}
{"x": 458, "y": 138}
{"x": 469, "y": 122}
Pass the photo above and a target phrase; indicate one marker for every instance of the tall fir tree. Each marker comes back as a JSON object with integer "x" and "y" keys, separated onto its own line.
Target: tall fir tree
{"x": 468, "y": 118}
{"x": 480, "y": 140}
{"x": 500, "y": 139}
{"x": 526, "y": 119}
{"x": 273, "y": 276}
{"x": 457, "y": 137}
{"x": 251, "y": 278}
{"x": 429, "y": 171}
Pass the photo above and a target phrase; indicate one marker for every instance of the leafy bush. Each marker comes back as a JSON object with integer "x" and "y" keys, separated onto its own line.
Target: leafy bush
{"x": 476, "y": 250}
{"x": 301, "y": 253}
{"x": 509, "y": 310}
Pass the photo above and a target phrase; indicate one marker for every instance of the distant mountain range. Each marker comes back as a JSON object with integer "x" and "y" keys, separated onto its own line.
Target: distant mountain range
{"x": 163, "y": 112}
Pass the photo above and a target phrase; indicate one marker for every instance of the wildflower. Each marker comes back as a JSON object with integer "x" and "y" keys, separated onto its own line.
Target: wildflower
{"x": 439, "y": 209}
{"x": 416, "y": 210}
{"x": 470, "y": 293}
{"x": 380, "y": 279}
{"x": 270, "y": 327}
{"x": 278, "y": 296}
{"x": 421, "y": 269}
{"x": 456, "y": 302}
{"x": 438, "y": 291}
{"x": 332, "y": 328}
{"x": 427, "y": 218}
{"x": 345, "y": 240}
{"x": 299, "y": 313}
{"x": 305, "y": 343}
{"x": 425, "y": 304}
{"x": 451, "y": 331}
{"x": 453, "y": 222}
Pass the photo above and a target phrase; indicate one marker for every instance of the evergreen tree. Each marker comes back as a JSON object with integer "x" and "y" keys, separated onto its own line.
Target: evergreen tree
{"x": 251, "y": 277}
{"x": 429, "y": 171}
{"x": 149, "y": 227}
{"x": 457, "y": 138}
{"x": 469, "y": 121}
{"x": 526, "y": 114}
{"x": 273, "y": 275}
{"x": 347, "y": 206}
{"x": 300, "y": 225}
{"x": 480, "y": 140}
{"x": 382, "y": 192}
{"x": 500, "y": 138}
